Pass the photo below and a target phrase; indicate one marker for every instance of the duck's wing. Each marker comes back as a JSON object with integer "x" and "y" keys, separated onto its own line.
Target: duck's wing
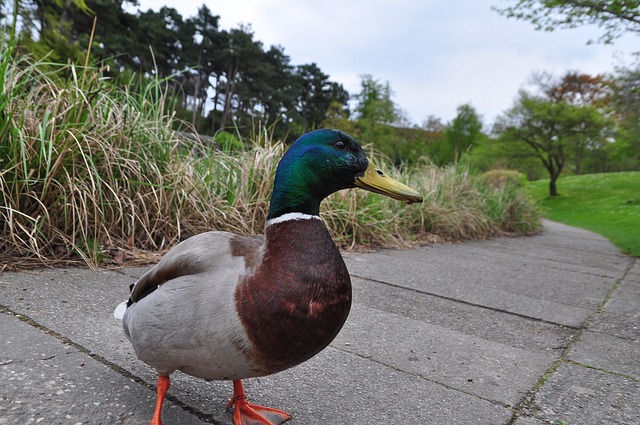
{"x": 198, "y": 254}
{"x": 183, "y": 314}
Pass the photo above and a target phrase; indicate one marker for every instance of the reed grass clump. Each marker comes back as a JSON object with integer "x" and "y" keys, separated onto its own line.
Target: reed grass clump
{"x": 94, "y": 172}
{"x": 501, "y": 177}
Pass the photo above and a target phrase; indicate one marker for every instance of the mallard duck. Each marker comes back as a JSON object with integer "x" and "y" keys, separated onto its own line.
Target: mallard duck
{"x": 220, "y": 306}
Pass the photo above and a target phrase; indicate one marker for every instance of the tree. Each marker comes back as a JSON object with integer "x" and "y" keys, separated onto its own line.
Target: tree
{"x": 201, "y": 49}
{"x": 315, "y": 95}
{"x": 464, "y": 132}
{"x": 579, "y": 89}
{"x": 626, "y": 106}
{"x": 337, "y": 117}
{"x": 614, "y": 17}
{"x": 374, "y": 101}
{"x": 433, "y": 124}
{"x": 375, "y": 112}
{"x": 47, "y": 28}
{"x": 552, "y": 129}
{"x": 437, "y": 148}
{"x": 242, "y": 53}
{"x": 159, "y": 32}
{"x": 226, "y": 77}
{"x": 575, "y": 88}
{"x": 447, "y": 143}
{"x": 114, "y": 32}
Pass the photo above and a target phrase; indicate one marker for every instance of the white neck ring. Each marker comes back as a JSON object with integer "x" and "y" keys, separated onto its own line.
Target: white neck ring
{"x": 292, "y": 216}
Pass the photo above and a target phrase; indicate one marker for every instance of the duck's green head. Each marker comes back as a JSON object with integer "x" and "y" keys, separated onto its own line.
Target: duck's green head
{"x": 322, "y": 162}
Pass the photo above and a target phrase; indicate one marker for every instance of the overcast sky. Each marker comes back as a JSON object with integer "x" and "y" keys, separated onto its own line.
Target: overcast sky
{"x": 436, "y": 54}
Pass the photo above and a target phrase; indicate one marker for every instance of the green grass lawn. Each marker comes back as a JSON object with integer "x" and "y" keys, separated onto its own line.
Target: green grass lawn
{"x": 608, "y": 204}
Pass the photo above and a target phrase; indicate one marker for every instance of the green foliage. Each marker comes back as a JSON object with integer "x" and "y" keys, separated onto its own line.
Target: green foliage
{"x": 458, "y": 139}
{"x": 506, "y": 203}
{"x": 497, "y": 153}
{"x": 608, "y": 204}
{"x": 587, "y": 153}
{"x": 228, "y": 142}
{"x": 223, "y": 78}
{"x": 464, "y": 132}
{"x": 614, "y": 17}
{"x": 375, "y": 114}
{"x": 317, "y": 93}
{"x": 95, "y": 172}
{"x": 500, "y": 177}
{"x": 375, "y": 105}
{"x": 624, "y": 154}
{"x": 588, "y": 123}
{"x": 375, "y": 123}
{"x": 511, "y": 209}
{"x": 47, "y": 31}
{"x": 337, "y": 117}
{"x": 553, "y": 130}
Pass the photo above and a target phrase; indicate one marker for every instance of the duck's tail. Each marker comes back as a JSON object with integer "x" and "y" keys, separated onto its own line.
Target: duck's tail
{"x": 118, "y": 313}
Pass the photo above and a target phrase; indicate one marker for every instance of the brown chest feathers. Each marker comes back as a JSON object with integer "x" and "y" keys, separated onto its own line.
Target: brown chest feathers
{"x": 296, "y": 302}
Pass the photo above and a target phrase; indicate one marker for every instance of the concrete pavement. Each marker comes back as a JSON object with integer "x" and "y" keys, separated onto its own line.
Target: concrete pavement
{"x": 523, "y": 331}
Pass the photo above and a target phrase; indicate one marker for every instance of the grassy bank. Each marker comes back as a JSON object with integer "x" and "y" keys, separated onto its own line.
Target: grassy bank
{"x": 608, "y": 204}
{"x": 92, "y": 171}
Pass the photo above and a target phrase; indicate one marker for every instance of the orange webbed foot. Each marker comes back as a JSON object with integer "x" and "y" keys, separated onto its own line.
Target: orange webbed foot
{"x": 253, "y": 414}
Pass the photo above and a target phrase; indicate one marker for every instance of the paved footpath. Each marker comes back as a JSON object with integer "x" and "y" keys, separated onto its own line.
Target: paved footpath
{"x": 523, "y": 331}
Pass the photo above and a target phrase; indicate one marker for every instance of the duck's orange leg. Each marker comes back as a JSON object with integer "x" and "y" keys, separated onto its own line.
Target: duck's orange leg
{"x": 163, "y": 387}
{"x": 252, "y": 414}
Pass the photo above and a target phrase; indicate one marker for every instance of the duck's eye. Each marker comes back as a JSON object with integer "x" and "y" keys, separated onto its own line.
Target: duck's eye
{"x": 340, "y": 145}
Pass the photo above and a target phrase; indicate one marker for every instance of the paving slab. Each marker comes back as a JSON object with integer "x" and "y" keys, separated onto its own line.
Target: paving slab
{"x": 364, "y": 391}
{"x": 559, "y": 276}
{"x": 516, "y": 275}
{"x": 451, "y": 333}
{"x": 579, "y": 395}
{"x": 559, "y": 246}
{"x": 529, "y": 420}
{"x": 626, "y": 297}
{"x": 470, "y": 364}
{"x": 620, "y": 316}
{"x": 457, "y": 278}
{"x": 615, "y": 324}
{"x": 79, "y": 303}
{"x": 608, "y": 352}
{"x": 490, "y": 324}
{"x": 49, "y": 382}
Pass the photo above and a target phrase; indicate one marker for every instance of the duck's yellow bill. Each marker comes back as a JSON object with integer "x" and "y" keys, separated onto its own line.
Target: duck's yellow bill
{"x": 375, "y": 180}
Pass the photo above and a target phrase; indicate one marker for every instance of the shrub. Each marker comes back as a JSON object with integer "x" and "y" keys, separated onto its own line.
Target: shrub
{"x": 94, "y": 172}
{"x": 501, "y": 178}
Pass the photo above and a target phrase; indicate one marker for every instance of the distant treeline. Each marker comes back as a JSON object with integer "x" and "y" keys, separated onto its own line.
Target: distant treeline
{"x": 225, "y": 83}
{"x": 223, "y": 78}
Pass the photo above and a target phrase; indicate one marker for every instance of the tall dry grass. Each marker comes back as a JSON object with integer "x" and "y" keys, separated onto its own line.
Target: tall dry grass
{"x": 457, "y": 206}
{"x": 94, "y": 172}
